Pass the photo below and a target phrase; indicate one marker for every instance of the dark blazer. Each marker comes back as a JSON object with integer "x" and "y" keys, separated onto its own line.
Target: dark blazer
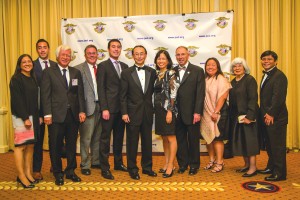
{"x": 56, "y": 97}
{"x": 247, "y": 102}
{"x": 109, "y": 85}
{"x": 134, "y": 102}
{"x": 273, "y": 96}
{"x": 190, "y": 96}
{"x": 38, "y": 69}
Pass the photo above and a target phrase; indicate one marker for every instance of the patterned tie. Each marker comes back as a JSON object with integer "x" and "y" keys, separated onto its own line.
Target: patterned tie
{"x": 46, "y": 64}
{"x": 65, "y": 77}
{"x": 182, "y": 68}
{"x": 117, "y": 66}
{"x": 95, "y": 70}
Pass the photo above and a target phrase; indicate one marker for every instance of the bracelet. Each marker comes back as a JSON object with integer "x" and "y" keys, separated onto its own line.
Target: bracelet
{"x": 217, "y": 112}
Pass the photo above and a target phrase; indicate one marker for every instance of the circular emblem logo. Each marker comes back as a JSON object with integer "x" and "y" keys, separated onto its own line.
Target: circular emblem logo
{"x": 260, "y": 186}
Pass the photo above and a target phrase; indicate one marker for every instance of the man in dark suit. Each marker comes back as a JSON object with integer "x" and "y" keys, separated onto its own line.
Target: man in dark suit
{"x": 137, "y": 83}
{"x": 41, "y": 63}
{"x": 90, "y": 129}
{"x": 63, "y": 104}
{"x": 190, "y": 102}
{"x": 274, "y": 116}
{"x": 108, "y": 79}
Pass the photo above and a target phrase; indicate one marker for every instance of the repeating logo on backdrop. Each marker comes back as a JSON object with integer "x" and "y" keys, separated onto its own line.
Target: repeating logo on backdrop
{"x": 190, "y": 24}
{"x": 74, "y": 56}
{"x": 160, "y": 25}
{"x": 223, "y": 49}
{"x": 192, "y": 50}
{"x": 99, "y": 27}
{"x": 128, "y": 53}
{"x": 222, "y": 22}
{"x": 129, "y": 26}
{"x": 70, "y": 28}
{"x": 101, "y": 54}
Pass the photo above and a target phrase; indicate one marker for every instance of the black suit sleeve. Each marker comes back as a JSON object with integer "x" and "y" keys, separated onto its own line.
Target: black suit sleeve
{"x": 80, "y": 93}
{"x": 251, "y": 89}
{"x": 46, "y": 91}
{"x": 199, "y": 103}
{"x": 101, "y": 87}
{"x": 123, "y": 94}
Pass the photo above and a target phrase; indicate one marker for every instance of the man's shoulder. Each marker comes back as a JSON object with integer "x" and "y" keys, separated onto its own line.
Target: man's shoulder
{"x": 80, "y": 66}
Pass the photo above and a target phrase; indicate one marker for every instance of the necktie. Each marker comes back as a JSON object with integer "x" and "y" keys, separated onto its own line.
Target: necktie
{"x": 181, "y": 68}
{"x": 140, "y": 68}
{"x": 117, "y": 66}
{"x": 65, "y": 77}
{"x": 46, "y": 64}
{"x": 267, "y": 73}
{"x": 95, "y": 70}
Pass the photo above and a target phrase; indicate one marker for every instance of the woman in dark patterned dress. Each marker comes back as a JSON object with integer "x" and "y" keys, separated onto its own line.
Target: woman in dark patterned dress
{"x": 165, "y": 90}
{"x": 24, "y": 105}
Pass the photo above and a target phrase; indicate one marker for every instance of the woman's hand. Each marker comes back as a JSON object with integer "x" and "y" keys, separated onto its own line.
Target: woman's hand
{"x": 27, "y": 123}
{"x": 214, "y": 117}
{"x": 169, "y": 117}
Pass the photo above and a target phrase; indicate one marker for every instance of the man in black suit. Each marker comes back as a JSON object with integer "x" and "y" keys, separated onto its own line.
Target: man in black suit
{"x": 274, "y": 116}
{"x": 137, "y": 83}
{"x": 190, "y": 102}
{"x": 63, "y": 104}
{"x": 108, "y": 79}
{"x": 90, "y": 129}
{"x": 41, "y": 63}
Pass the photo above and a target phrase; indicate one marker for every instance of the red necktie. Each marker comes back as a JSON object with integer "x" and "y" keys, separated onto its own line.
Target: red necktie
{"x": 95, "y": 70}
{"x": 46, "y": 64}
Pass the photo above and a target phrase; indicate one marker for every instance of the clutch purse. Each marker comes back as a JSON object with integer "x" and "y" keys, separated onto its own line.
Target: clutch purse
{"x": 22, "y": 134}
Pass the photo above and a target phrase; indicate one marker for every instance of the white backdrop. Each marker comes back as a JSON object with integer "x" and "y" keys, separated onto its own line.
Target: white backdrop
{"x": 205, "y": 34}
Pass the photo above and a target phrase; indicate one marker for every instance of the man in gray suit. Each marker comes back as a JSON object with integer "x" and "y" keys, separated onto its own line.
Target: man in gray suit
{"x": 62, "y": 97}
{"x": 90, "y": 130}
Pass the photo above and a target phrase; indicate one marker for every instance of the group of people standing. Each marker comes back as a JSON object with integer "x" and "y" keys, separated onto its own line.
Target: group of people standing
{"x": 188, "y": 103}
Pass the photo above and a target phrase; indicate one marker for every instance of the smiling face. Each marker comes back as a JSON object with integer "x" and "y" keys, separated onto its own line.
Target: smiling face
{"x": 26, "y": 65}
{"x": 64, "y": 58}
{"x": 182, "y": 56}
{"x": 139, "y": 56}
{"x": 91, "y": 55}
{"x": 268, "y": 62}
{"x": 238, "y": 69}
{"x": 114, "y": 50}
{"x": 162, "y": 61}
{"x": 211, "y": 68}
{"x": 43, "y": 50}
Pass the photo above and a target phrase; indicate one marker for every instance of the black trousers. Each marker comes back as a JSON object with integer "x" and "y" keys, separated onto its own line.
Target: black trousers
{"x": 117, "y": 125}
{"x": 188, "y": 138}
{"x": 132, "y": 140}
{"x": 38, "y": 150}
{"x": 67, "y": 130}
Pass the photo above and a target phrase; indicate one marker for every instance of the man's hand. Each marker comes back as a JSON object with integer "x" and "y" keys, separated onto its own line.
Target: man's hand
{"x": 125, "y": 118}
{"x": 48, "y": 120}
{"x": 105, "y": 114}
{"x": 197, "y": 118}
{"x": 82, "y": 117}
{"x": 269, "y": 120}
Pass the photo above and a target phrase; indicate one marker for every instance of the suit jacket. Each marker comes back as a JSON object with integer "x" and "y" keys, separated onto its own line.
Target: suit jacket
{"x": 109, "y": 86}
{"x": 134, "y": 101}
{"x": 38, "y": 69}
{"x": 191, "y": 93}
{"x": 89, "y": 90}
{"x": 273, "y": 96}
{"x": 56, "y": 97}
{"x": 246, "y": 95}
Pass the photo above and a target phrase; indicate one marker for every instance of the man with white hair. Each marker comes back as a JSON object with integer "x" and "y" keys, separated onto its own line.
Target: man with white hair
{"x": 62, "y": 98}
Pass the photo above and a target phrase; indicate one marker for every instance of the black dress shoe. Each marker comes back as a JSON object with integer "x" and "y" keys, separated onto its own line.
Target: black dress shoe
{"x": 264, "y": 171}
{"x": 249, "y": 175}
{"x": 181, "y": 170}
{"x": 121, "y": 168}
{"x": 161, "y": 170}
{"x": 59, "y": 180}
{"x": 242, "y": 170}
{"x": 149, "y": 173}
{"x": 274, "y": 178}
{"x": 95, "y": 166}
{"x": 107, "y": 174}
{"x": 134, "y": 176}
{"x": 86, "y": 171}
{"x": 73, "y": 177}
{"x": 193, "y": 171}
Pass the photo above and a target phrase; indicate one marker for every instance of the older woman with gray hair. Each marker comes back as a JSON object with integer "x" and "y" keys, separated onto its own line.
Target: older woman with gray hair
{"x": 243, "y": 110}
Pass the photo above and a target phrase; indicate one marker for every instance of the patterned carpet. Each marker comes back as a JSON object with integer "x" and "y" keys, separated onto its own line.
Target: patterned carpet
{"x": 205, "y": 185}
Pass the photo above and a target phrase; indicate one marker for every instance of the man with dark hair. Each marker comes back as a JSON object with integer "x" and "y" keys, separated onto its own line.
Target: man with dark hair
{"x": 273, "y": 116}
{"x": 137, "y": 87}
{"x": 109, "y": 96}
{"x": 90, "y": 130}
{"x": 41, "y": 63}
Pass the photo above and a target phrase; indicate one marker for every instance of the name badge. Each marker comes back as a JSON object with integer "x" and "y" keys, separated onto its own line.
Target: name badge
{"x": 74, "y": 82}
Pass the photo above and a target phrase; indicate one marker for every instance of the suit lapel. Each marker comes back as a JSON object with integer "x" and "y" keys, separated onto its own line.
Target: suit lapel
{"x": 186, "y": 74}
{"x": 113, "y": 68}
{"x": 60, "y": 77}
{"x": 147, "y": 79}
{"x": 268, "y": 77}
{"x": 88, "y": 75}
{"x": 136, "y": 78}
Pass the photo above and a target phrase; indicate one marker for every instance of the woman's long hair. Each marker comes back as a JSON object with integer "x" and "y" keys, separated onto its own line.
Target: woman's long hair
{"x": 219, "y": 70}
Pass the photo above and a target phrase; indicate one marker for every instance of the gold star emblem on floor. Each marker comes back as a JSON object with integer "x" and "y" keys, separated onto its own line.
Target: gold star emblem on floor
{"x": 260, "y": 186}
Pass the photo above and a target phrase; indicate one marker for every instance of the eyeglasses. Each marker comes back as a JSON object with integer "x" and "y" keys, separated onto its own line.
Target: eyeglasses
{"x": 91, "y": 53}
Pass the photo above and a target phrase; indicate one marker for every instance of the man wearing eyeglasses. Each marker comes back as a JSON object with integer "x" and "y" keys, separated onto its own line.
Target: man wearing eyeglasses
{"x": 90, "y": 130}
{"x": 137, "y": 83}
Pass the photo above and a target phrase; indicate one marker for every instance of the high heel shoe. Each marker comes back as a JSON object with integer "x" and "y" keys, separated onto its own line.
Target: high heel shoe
{"x": 161, "y": 170}
{"x": 165, "y": 175}
{"x": 33, "y": 182}
{"x": 24, "y": 186}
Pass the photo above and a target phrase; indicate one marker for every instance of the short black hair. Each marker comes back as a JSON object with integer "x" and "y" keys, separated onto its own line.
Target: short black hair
{"x": 42, "y": 40}
{"x": 141, "y": 46}
{"x": 269, "y": 53}
{"x": 170, "y": 63}
{"x": 113, "y": 40}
